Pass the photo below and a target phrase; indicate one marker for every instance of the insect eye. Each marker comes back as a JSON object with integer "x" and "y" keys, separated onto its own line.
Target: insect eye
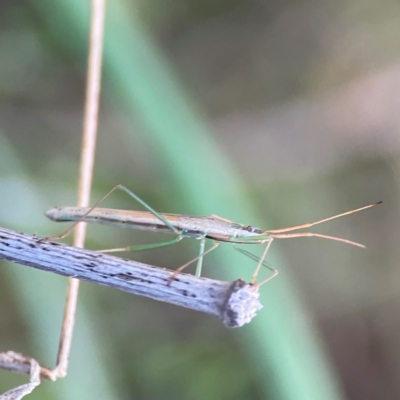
{"x": 250, "y": 228}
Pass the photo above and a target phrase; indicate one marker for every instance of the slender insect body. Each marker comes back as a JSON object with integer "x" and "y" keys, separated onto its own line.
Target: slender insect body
{"x": 140, "y": 220}
{"x": 190, "y": 226}
{"x": 212, "y": 227}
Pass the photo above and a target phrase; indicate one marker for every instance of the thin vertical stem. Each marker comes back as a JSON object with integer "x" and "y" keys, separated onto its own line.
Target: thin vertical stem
{"x": 86, "y": 170}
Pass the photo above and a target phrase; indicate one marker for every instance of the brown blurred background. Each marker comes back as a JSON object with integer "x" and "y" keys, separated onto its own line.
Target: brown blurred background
{"x": 290, "y": 111}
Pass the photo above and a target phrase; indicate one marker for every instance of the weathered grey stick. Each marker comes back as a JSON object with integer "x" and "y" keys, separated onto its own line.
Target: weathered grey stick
{"x": 234, "y": 303}
{"x": 17, "y": 362}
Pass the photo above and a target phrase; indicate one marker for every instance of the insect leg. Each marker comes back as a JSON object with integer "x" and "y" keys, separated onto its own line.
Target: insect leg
{"x": 262, "y": 258}
{"x": 182, "y": 267}
{"x": 143, "y": 246}
{"x": 263, "y": 263}
{"x": 201, "y": 254}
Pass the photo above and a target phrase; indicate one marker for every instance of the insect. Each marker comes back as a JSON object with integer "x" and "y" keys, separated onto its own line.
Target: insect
{"x": 213, "y": 227}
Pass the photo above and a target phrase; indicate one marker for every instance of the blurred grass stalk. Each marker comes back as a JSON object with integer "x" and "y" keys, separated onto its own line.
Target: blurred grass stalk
{"x": 283, "y": 346}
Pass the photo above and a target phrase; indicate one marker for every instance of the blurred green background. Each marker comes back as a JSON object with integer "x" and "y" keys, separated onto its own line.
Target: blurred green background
{"x": 267, "y": 113}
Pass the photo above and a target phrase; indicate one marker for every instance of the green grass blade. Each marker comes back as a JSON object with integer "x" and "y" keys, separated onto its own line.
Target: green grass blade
{"x": 282, "y": 342}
